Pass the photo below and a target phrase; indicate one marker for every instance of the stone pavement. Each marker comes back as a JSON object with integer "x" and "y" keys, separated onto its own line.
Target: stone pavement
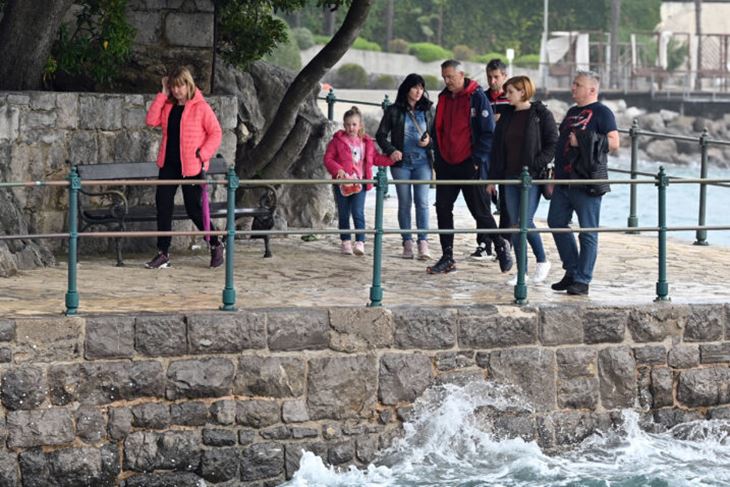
{"x": 315, "y": 274}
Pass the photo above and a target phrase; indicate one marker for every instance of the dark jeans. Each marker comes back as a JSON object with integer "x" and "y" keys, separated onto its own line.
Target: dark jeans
{"x": 165, "y": 201}
{"x": 474, "y": 197}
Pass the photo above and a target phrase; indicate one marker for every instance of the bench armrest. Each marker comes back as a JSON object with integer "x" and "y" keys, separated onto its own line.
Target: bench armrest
{"x": 119, "y": 207}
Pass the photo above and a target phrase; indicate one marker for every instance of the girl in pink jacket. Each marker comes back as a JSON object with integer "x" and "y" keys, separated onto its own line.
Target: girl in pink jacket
{"x": 351, "y": 155}
{"x": 191, "y": 135}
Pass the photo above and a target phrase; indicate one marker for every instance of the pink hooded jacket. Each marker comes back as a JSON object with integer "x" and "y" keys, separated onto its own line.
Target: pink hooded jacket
{"x": 199, "y": 129}
{"x": 339, "y": 156}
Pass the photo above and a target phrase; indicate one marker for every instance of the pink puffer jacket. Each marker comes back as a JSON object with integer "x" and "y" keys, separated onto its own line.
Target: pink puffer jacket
{"x": 199, "y": 129}
{"x": 339, "y": 156}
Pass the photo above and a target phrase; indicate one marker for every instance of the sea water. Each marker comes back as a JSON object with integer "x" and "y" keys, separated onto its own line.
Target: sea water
{"x": 449, "y": 443}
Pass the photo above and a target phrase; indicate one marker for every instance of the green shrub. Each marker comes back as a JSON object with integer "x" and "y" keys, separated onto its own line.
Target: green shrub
{"x": 528, "y": 61}
{"x": 464, "y": 53}
{"x": 398, "y": 46}
{"x": 485, "y": 58}
{"x": 384, "y": 82}
{"x": 304, "y": 37}
{"x": 366, "y": 45}
{"x": 320, "y": 39}
{"x": 351, "y": 76}
{"x": 428, "y": 52}
{"x": 433, "y": 83}
{"x": 286, "y": 53}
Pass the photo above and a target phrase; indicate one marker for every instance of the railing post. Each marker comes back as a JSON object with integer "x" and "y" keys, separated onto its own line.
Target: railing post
{"x": 701, "y": 234}
{"x": 72, "y": 295}
{"x": 521, "y": 287}
{"x": 376, "y": 290}
{"x": 633, "y": 220}
{"x": 662, "y": 287}
{"x": 229, "y": 292}
{"x": 384, "y": 105}
{"x": 331, "y": 99}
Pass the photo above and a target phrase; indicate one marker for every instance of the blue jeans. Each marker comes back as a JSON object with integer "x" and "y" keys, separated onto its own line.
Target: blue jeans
{"x": 419, "y": 169}
{"x": 351, "y": 205}
{"x": 512, "y": 200}
{"x": 565, "y": 201}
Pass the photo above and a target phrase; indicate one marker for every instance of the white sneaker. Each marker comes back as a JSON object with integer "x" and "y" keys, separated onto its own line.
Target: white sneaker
{"x": 512, "y": 281}
{"x": 359, "y": 248}
{"x": 346, "y": 247}
{"x": 541, "y": 271}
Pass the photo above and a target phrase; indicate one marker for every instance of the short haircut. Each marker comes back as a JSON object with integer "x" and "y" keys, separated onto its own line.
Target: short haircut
{"x": 453, "y": 63}
{"x": 496, "y": 64}
{"x": 592, "y": 75}
{"x": 179, "y": 76}
{"x": 523, "y": 83}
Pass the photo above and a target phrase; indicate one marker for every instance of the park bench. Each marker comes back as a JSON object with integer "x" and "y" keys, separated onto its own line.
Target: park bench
{"x": 110, "y": 206}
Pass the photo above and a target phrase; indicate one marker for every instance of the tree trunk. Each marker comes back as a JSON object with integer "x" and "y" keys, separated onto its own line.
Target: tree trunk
{"x": 615, "y": 21}
{"x": 329, "y": 20}
{"x": 27, "y": 32}
{"x": 389, "y": 14}
{"x": 303, "y": 85}
{"x": 698, "y": 31}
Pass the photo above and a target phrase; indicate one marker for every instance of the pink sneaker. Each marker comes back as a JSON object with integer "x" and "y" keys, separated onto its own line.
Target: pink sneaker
{"x": 346, "y": 247}
{"x": 359, "y": 248}
{"x": 423, "y": 253}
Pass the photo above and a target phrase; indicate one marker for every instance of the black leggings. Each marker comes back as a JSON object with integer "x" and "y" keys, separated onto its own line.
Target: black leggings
{"x": 165, "y": 201}
{"x": 474, "y": 196}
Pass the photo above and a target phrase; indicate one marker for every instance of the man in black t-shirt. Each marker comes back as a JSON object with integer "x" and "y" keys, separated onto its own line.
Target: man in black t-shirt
{"x": 587, "y": 115}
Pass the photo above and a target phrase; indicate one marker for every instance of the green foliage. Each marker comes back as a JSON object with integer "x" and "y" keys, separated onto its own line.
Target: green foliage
{"x": 485, "y": 58}
{"x": 320, "y": 39}
{"x": 304, "y": 37}
{"x": 428, "y": 52}
{"x": 366, "y": 45}
{"x": 384, "y": 82}
{"x": 528, "y": 61}
{"x": 432, "y": 82}
{"x": 351, "y": 76}
{"x": 463, "y": 52}
{"x": 676, "y": 54}
{"x": 286, "y": 54}
{"x": 398, "y": 46}
{"x": 98, "y": 44}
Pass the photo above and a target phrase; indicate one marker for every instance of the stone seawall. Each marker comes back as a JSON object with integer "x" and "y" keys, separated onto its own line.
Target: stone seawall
{"x": 233, "y": 398}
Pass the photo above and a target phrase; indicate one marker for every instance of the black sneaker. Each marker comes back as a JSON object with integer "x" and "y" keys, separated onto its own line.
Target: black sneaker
{"x": 504, "y": 256}
{"x": 483, "y": 251}
{"x": 578, "y": 289}
{"x": 445, "y": 265}
{"x": 563, "y": 284}
{"x": 216, "y": 256}
{"x": 161, "y": 261}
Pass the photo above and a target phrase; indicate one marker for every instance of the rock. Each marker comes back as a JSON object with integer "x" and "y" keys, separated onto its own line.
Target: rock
{"x": 9, "y": 470}
{"x": 90, "y": 424}
{"x": 212, "y": 377}
{"x": 530, "y": 369}
{"x": 73, "y": 466}
{"x": 340, "y": 453}
{"x": 298, "y": 330}
{"x": 490, "y": 328}
{"x": 262, "y": 461}
{"x": 294, "y": 411}
{"x": 219, "y": 464}
{"x": 48, "y": 339}
{"x": 617, "y": 375}
{"x": 650, "y": 355}
{"x": 270, "y": 376}
{"x": 560, "y": 325}
{"x": 226, "y": 332}
{"x": 219, "y": 437}
{"x": 7, "y": 330}
{"x": 23, "y": 388}
{"x": 120, "y": 423}
{"x": 109, "y": 337}
{"x": 166, "y": 479}
{"x": 431, "y": 329}
{"x": 668, "y": 115}
{"x": 578, "y": 393}
{"x": 705, "y": 323}
{"x": 652, "y": 122}
{"x": 403, "y": 377}
{"x": 42, "y": 427}
{"x": 662, "y": 150}
{"x": 704, "y": 387}
{"x": 654, "y": 324}
{"x": 684, "y": 357}
{"x": 224, "y": 412}
{"x": 154, "y": 416}
{"x": 576, "y": 362}
{"x": 160, "y": 335}
{"x": 257, "y": 413}
{"x": 661, "y": 387}
{"x": 360, "y": 329}
{"x": 172, "y": 450}
{"x": 189, "y": 413}
{"x": 601, "y": 325}
{"x": 341, "y": 387}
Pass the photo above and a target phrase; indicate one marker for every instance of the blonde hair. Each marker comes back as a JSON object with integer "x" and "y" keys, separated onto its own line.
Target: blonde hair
{"x": 355, "y": 112}
{"x": 521, "y": 83}
{"x": 181, "y": 76}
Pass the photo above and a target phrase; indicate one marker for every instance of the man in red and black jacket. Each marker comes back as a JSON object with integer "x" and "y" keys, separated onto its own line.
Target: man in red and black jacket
{"x": 462, "y": 139}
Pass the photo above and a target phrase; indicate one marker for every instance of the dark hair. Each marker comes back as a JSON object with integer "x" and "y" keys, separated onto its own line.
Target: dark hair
{"x": 412, "y": 80}
{"x": 496, "y": 64}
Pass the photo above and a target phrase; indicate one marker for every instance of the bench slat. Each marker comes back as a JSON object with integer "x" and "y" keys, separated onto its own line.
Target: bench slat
{"x": 136, "y": 170}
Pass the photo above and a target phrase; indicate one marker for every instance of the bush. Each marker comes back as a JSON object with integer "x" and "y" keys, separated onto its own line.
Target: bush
{"x": 528, "y": 61}
{"x": 485, "y": 58}
{"x": 433, "y": 83}
{"x": 366, "y": 45}
{"x": 398, "y": 46}
{"x": 351, "y": 76}
{"x": 304, "y": 37}
{"x": 464, "y": 53}
{"x": 427, "y": 52}
{"x": 384, "y": 82}
{"x": 320, "y": 39}
{"x": 286, "y": 53}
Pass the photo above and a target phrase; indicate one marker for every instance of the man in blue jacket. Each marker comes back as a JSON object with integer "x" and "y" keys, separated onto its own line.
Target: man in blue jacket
{"x": 463, "y": 130}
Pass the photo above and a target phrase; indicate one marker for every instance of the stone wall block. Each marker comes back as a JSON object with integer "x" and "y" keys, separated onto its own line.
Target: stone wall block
{"x": 36, "y": 120}
{"x": 341, "y": 387}
{"x": 223, "y": 412}
{"x": 9, "y": 470}
{"x": 704, "y": 387}
{"x": 151, "y": 415}
{"x": 662, "y": 379}
{"x": 571, "y": 427}
{"x": 9, "y": 123}
{"x": 491, "y": 328}
{"x": 643, "y": 383}
{"x": 576, "y": 362}
{"x": 71, "y": 466}
{"x": 120, "y": 423}
{"x": 109, "y": 337}
{"x": 455, "y": 360}
{"x": 293, "y": 453}
{"x": 705, "y": 323}
{"x": 147, "y": 25}
{"x": 220, "y": 464}
{"x": 42, "y": 100}
{"x": 403, "y": 377}
{"x": 294, "y": 411}
{"x": 654, "y": 324}
{"x": 684, "y": 356}
{"x": 193, "y": 413}
{"x": 617, "y": 375}
{"x": 7, "y": 330}
{"x": 262, "y": 461}
{"x": 270, "y": 376}
{"x": 48, "y": 339}
{"x": 160, "y": 335}
{"x": 360, "y": 329}
{"x": 560, "y": 325}
{"x": 6, "y": 355}
{"x": 226, "y": 333}
{"x": 578, "y": 393}
{"x": 100, "y": 112}
{"x": 227, "y": 112}
{"x": 211, "y": 377}
{"x": 90, "y": 424}
{"x": 424, "y": 328}
{"x": 83, "y": 147}
{"x": 530, "y": 369}
{"x": 67, "y": 110}
{"x": 341, "y": 452}
{"x": 671, "y": 417}
{"x": 292, "y": 330}
{"x": 246, "y": 436}
{"x": 713, "y": 353}
{"x": 219, "y": 437}
{"x": 279, "y": 432}
{"x": 23, "y": 387}
{"x": 189, "y": 29}
{"x": 604, "y": 325}
{"x": 257, "y": 413}
{"x": 41, "y": 427}
{"x": 146, "y": 451}
{"x": 650, "y": 355}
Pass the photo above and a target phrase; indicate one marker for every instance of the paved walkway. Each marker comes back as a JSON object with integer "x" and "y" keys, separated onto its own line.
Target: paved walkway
{"x": 315, "y": 274}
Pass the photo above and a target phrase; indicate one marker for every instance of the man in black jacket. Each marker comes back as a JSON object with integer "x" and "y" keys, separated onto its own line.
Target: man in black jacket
{"x": 587, "y": 117}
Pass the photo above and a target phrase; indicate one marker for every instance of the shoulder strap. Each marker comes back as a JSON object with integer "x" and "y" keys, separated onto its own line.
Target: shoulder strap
{"x": 415, "y": 122}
